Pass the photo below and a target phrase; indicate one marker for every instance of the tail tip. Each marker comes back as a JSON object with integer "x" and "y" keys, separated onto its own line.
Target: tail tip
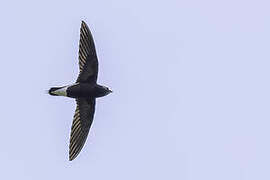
{"x": 50, "y": 91}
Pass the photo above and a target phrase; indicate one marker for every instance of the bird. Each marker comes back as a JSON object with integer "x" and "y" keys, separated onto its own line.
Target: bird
{"x": 85, "y": 91}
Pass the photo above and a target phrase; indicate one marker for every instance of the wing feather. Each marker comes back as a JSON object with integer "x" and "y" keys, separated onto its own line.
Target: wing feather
{"x": 81, "y": 124}
{"x": 88, "y": 62}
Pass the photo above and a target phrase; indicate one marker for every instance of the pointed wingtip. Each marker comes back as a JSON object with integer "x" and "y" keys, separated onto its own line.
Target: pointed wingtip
{"x": 83, "y": 22}
{"x": 84, "y": 25}
{"x": 70, "y": 158}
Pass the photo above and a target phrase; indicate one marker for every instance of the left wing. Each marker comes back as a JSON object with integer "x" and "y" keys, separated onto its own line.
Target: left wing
{"x": 82, "y": 121}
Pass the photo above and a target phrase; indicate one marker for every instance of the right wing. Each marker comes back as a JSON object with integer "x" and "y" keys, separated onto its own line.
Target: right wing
{"x": 88, "y": 61}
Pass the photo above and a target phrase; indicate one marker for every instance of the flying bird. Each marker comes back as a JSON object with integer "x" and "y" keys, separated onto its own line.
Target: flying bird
{"x": 85, "y": 91}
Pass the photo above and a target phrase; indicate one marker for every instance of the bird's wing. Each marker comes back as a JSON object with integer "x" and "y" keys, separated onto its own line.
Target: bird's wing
{"x": 81, "y": 124}
{"x": 88, "y": 61}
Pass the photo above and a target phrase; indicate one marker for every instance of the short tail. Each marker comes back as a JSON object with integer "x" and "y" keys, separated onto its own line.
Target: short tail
{"x": 51, "y": 90}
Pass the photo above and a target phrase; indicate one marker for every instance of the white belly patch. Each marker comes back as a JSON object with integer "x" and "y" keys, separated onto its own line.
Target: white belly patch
{"x": 61, "y": 92}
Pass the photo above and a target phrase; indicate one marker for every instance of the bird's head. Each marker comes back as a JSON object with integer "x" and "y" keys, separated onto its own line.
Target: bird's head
{"x": 107, "y": 90}
{"x": 102, "y": 91}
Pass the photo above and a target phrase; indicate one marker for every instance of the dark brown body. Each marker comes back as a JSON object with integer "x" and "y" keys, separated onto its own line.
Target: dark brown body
{"x": 87, "y": 90}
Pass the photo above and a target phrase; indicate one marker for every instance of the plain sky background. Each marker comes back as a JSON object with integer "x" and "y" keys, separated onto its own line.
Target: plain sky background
{"x": 191, "y": 89}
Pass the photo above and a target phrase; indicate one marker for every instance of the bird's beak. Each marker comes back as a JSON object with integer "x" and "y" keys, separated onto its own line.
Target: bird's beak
{"x": 110, "y": 91}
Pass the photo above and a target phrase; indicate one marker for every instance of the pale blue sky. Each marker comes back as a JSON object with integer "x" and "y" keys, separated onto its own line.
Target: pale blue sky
{"x": 191, "y": 89}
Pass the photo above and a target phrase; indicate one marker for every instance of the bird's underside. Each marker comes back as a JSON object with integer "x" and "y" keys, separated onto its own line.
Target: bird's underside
{"x": 85, "y": 91}
{"x": 84, "y": 113}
